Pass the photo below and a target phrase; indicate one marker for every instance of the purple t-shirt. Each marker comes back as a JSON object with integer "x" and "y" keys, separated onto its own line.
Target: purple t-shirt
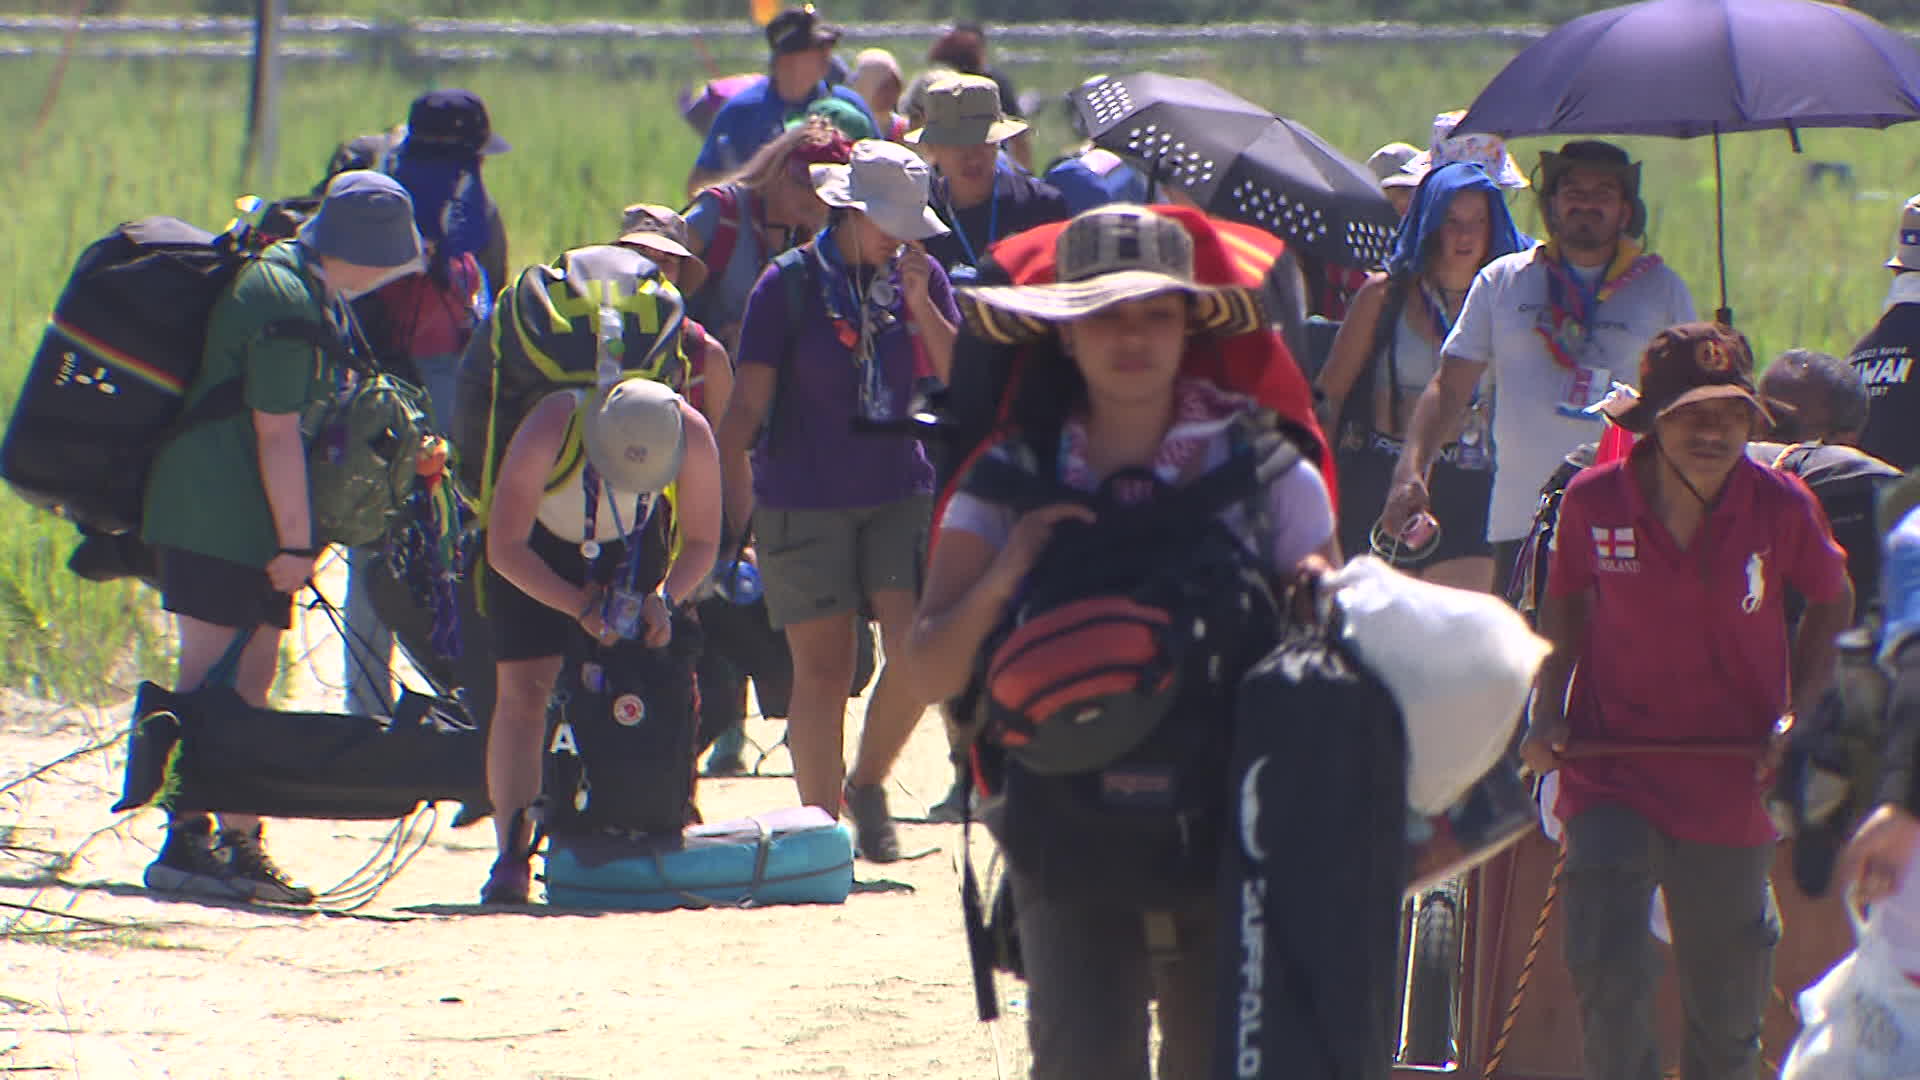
{"x": 810, "y": 458}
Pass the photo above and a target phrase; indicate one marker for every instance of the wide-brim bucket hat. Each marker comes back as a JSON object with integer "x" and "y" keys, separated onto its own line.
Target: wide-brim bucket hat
{"x": 885, "y": 181}
{"x": 1105, "y": 256}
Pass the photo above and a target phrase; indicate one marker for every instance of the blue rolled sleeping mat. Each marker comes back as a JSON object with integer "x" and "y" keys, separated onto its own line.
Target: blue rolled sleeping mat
{"x": 799, "y": 855}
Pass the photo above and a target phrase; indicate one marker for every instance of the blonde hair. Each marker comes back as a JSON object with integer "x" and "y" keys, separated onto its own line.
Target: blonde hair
{"x": 768, "y": 164}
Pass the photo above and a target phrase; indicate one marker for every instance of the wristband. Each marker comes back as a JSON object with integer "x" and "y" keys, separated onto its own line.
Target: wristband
{"x": 305, "y": 552}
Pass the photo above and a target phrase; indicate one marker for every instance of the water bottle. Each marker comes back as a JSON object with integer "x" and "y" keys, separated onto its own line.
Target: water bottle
{"x": 740, "y": 583}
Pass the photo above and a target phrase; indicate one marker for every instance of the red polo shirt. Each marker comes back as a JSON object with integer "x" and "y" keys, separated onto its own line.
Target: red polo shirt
{"x": 1685, "y": 644}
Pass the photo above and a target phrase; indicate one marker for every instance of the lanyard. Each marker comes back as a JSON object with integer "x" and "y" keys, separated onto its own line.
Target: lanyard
{"x": 590, "y": 548}
{"x": 993, "y": 220}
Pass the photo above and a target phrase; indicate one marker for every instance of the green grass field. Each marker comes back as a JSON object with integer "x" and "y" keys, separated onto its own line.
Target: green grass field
{"x": 129, "y": 138}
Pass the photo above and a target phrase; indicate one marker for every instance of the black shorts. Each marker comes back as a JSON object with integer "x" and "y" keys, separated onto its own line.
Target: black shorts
{"x": 526, "y": 629}
{"x": 220, "y": 592}
{"x": 1460, "y": 499}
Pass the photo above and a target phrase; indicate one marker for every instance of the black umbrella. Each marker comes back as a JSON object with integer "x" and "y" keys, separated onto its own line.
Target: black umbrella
{"x": 1684, "y": 68}
{"x": 1239, "y": 161}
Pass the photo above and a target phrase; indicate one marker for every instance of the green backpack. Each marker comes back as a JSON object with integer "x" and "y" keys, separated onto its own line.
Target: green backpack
{"x": 596, "y": 314}
{"x": 363, "y": 449}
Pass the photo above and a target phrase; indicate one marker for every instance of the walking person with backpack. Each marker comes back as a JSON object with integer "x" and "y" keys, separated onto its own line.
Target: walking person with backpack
{"x": 1386, "y": 352}
{"x": 1665, "y": 700}
{"x": 1120, "y": 471}
{"x": 979, "y": 201}
{"x": 736, "y": 227}
{"x": 227, "y": 501}
{"x": 802, "y": 48}
{"x": 833, "y": 339}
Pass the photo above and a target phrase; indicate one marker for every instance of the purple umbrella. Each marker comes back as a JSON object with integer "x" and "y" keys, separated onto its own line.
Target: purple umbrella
{"x": 1684, "y": 68}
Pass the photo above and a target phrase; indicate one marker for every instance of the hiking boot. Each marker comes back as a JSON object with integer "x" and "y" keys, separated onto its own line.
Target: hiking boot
{"x": 250, "y": 866}
{"x": 950, "y": 810}
{"x": 873, "y": 832}
{"x": 189, "y": 866}
{"x": 508, "y": 882}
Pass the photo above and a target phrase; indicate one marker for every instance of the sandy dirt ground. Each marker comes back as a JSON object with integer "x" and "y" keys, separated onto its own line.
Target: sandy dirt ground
{"x": 423, "y": 983}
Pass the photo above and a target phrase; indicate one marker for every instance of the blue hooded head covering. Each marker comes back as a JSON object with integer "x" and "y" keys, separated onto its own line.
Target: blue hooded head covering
{"x": 449, "y": 199}
{"x": 1429, "y": 212}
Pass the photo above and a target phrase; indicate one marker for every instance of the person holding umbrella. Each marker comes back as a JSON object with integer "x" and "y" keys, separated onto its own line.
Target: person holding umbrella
{"x": 1664, "y": 703}
{"x": 1554, "y": 326}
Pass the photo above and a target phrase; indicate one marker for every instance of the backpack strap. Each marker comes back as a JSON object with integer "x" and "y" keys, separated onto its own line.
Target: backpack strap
{"x": 726, "y": 230}
{"x": 227, "y": 399}
{"x": 796, "y": 277}
{"x": 1385, "y": 339}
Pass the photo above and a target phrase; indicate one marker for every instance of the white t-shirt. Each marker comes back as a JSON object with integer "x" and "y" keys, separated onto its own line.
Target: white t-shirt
{"x": 1498, "y": 327}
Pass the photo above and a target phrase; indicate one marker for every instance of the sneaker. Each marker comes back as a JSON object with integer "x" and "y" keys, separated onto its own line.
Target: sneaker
{"x": 250, "y": 866}
{"x": 873, "y": 831}
{"x": 508, "y": 882}
{"x": 950, "y": 810}
{"x": 189, "y": 866}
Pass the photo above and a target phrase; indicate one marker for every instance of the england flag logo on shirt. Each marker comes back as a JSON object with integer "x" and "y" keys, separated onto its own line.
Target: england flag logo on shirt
{"x": 1617, "y": 548}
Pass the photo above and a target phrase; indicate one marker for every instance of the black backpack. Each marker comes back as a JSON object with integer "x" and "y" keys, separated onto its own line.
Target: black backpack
{"x": 1103, "y": 705}
{"x": 620, "y": 750}
{"x": 108, "y": 383}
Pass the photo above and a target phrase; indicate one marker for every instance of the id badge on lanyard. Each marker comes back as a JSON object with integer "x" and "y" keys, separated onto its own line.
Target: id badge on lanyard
{"x": 1583, "y": 388}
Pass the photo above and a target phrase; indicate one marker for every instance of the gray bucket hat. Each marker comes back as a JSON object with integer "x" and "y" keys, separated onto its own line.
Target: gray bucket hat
{"x": 635, "y": 436}
{"x": 887, "y": 182}
{"x": 365, "y": 219}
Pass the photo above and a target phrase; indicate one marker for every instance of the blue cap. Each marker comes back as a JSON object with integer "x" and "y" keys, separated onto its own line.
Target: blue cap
{"x": 365, "y": 219}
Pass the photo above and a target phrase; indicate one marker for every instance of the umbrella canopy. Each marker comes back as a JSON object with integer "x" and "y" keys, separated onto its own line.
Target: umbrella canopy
{"x": 1683, "y": 68}
{"x": 1694, "y": 67}
{"x": 1238, "y": 160}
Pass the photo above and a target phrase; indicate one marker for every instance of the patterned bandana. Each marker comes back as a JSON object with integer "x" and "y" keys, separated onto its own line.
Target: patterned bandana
{"x": 1201, "y": 410}
{"x": 1567, "y": 325}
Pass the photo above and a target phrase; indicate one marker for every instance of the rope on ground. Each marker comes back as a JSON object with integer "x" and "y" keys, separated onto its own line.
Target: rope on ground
{"x": 391, "y": 855}
{"x": 1526, "y": 969}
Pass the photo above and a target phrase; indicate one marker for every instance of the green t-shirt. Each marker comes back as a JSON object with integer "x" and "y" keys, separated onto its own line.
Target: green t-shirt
{"x": 205, "y": 494}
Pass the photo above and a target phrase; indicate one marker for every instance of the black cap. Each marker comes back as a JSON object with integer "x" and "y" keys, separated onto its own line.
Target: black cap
{"x": 799, "y": 29}
{"x": 453, "y": 120}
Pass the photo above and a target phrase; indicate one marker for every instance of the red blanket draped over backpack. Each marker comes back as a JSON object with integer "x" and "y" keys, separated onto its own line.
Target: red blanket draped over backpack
{"x": 1224, "y": 253}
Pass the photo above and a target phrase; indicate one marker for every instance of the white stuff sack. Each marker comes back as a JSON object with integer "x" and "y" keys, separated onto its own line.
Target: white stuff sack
{"x": 1459, "y": 663}
{"x": 1861, "y": 1021}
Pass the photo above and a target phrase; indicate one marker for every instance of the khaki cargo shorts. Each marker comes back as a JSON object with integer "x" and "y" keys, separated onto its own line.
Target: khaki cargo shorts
{"x": 819, "y": 563}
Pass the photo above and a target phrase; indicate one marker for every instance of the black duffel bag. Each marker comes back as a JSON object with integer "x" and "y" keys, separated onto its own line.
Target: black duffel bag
{"x": 209, "y": 751}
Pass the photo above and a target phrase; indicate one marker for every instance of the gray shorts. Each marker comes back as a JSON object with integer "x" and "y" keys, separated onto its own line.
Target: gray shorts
{"x": 820, "y": 563}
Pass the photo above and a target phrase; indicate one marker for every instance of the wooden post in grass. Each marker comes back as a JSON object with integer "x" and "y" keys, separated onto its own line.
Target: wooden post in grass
{"x": 263, "y": 101}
